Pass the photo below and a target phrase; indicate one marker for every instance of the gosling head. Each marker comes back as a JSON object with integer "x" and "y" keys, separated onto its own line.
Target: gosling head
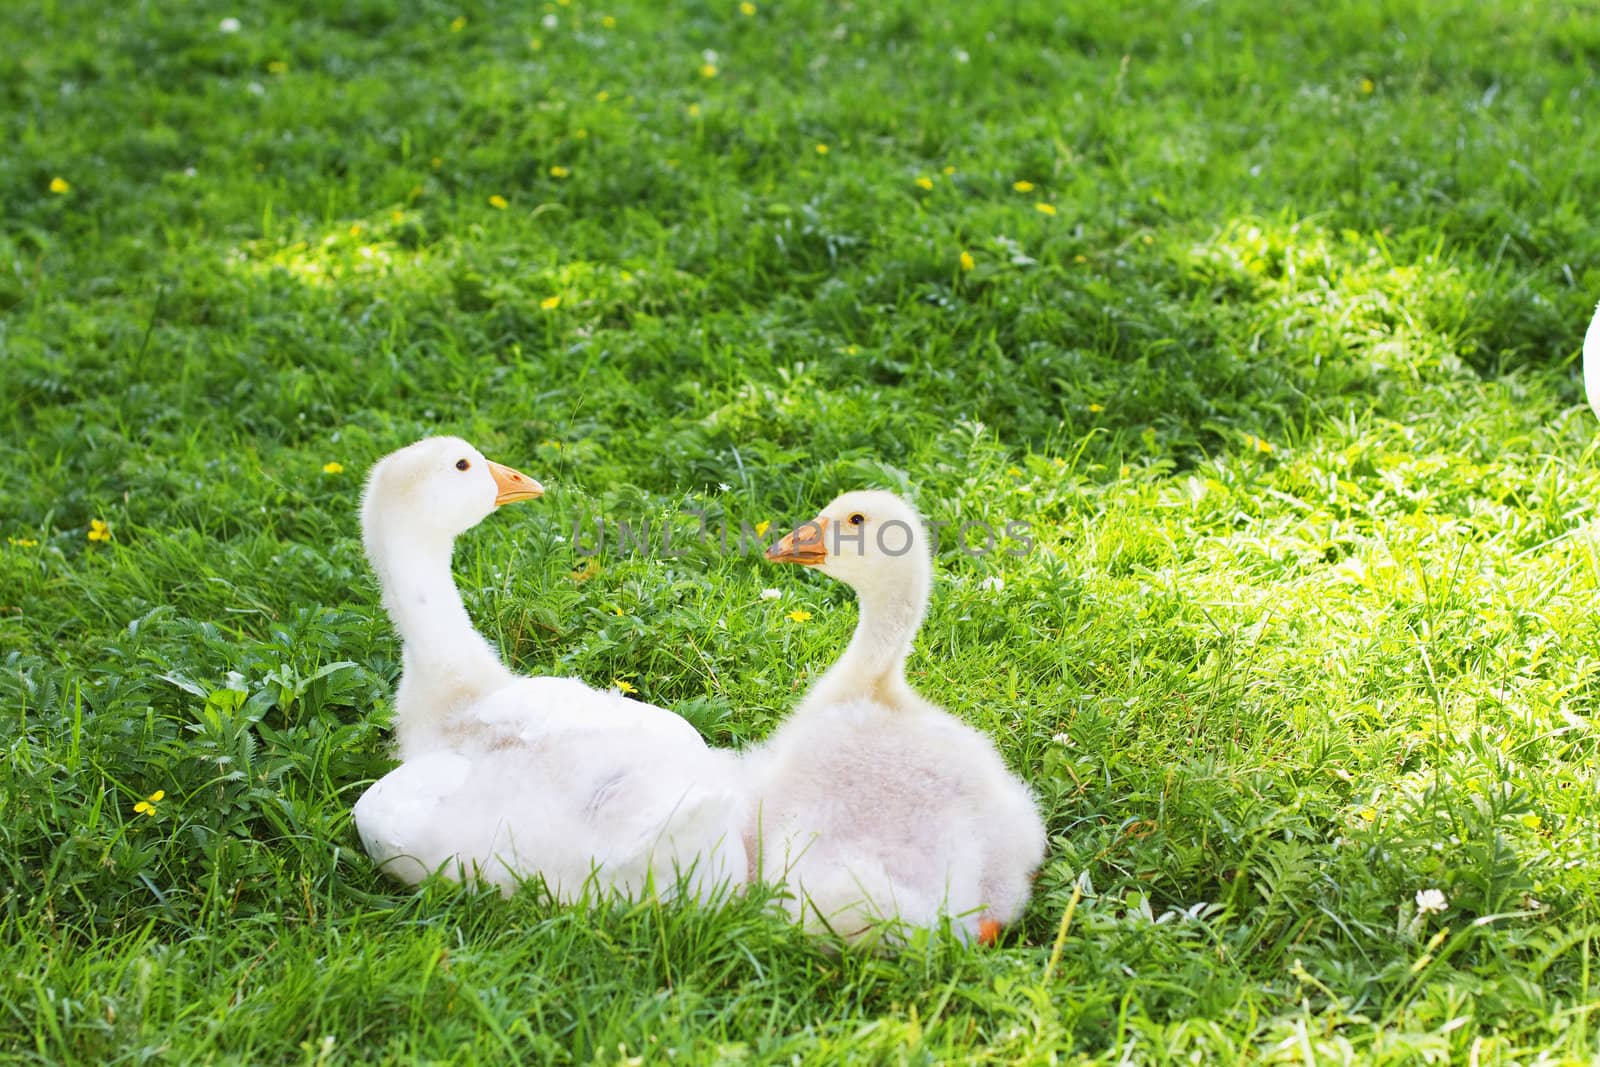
{"x": 440, "y": 487}
{"x": 867, "y": 539}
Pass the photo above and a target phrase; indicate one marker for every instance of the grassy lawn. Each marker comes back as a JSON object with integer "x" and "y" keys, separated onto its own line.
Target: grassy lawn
{"x": 1263, "y": 315}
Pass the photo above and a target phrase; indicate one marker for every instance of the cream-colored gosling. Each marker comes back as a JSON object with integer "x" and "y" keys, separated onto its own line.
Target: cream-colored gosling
{"x": 875, "y": 806}
{"x": 1591, "y": 362}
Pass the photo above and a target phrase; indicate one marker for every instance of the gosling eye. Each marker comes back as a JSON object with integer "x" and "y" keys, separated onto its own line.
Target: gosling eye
{"x": 462, "y": 465}
{"x": 857, "y": 519}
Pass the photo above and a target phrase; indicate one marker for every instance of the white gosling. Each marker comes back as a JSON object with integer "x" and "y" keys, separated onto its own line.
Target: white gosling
{"x": 1591, "y": 362}
{"x": 505, "y": 777}
{"x": 875, "y": 806}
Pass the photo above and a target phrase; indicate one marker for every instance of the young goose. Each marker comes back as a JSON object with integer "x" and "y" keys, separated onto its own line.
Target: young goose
{"x": 1591, "y": 362}
{"x": 872, "y": 803}
{"x": 511, "y": 777}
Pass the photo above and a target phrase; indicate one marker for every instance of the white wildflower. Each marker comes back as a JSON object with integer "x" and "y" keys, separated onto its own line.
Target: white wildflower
{"x": 771, "y": 594}
{"x": 229, "y": 25}
{"x": 993, "y": 584}
{"x": 1430, "y": 901}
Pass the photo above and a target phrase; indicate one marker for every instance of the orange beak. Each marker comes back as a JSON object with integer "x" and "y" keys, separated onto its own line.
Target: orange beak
{"x": 513, "y": 485}
{"x": 805, "y": 545}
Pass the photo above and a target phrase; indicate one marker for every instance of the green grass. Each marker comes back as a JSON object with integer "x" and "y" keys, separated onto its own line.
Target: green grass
{"x": 1285, "y": 386}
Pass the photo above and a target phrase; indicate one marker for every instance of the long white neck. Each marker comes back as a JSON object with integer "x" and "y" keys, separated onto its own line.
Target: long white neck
{"x": 446, "y": 665}
{"x": 874, "y": 665}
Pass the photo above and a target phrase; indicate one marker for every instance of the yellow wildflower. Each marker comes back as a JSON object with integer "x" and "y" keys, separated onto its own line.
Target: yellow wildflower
{"x": 1022, "y": 186}
{"x": 602, "y": 96}
{"x": 333, "y": 467}
{"x": 1257, "y": 443}
{"x": 747, "y": 9}
{"x": 624, "y": 685}
{"x": 397, "y": 216}
{"x": 967, "y": 262}
{"x": 1015, "y": 472}
{"x": 59, "y": 186}
{"x": 534, "y": 44}
{"x": 551, "y": 444}
{"x": 798, "y": 615}
{"x": 1367, "y": 87}
{"x": 589, "y": 569}
{"x": 1532, "y": 821}
{"x": 550, "y": 303}
{"x": 1096, "y": 409}
{"x": 355, "y": 229}
{"x": 1080, "y": 259}
{"x": 147, "y": 806}
{"x": 22, "y": 542}
{"x": 458, "y": 24}
{"x": 559, "y": 171}
{"x": 708, "y": 70}
{"x": 694, "y": 111}
{"x": 277, "y": 66}
{"x": 499, "y": 202}
{"x": 1045, "y": 209}
{"x": 949, "y": 169}
{"x": 608, "y": 21}
{"x": 1369, "y": 815}
{"x": 924, "y": 182}
{"x": 762, "y": 527}
{"x": 822, "y": 149}
{"x": 99, "y": 531}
